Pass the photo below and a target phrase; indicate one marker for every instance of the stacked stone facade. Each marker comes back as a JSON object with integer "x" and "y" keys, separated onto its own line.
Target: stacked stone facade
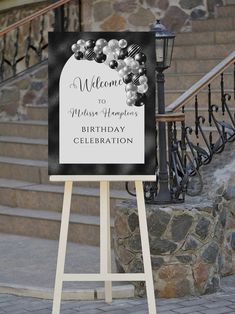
{"x": 193, "y": 244}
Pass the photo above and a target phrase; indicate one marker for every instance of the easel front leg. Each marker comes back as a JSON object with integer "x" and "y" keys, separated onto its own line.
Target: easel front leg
{"x": 105, "y": 237}
{"x": 145, "y": 247}
{"x": 62, "y": 246}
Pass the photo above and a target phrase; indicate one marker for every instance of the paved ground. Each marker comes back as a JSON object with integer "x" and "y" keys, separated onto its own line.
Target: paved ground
{"x": 27, "y": 262}
{"x": 29, "y": 265}
{"x": 219, "y": 303}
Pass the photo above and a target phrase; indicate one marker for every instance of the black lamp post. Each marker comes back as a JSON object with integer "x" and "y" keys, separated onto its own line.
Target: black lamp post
{"x": 164, "y": 46}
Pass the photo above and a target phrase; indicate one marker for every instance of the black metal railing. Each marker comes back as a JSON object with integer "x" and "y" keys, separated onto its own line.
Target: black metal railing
{"x": 206, "y": 124}
{"x": 24, "y": 43}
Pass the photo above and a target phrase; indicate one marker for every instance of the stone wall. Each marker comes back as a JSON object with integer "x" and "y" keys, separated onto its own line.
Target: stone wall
{"x": 137, "y": 15}
{"x": 29, "y": 88}
{"x": 193, "y": 244}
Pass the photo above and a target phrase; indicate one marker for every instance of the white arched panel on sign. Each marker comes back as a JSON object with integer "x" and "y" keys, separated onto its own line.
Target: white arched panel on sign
{"x": 96, "y": 124}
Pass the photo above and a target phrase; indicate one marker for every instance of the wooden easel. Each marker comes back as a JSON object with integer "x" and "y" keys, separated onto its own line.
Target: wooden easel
{"x": 105, "y": 240}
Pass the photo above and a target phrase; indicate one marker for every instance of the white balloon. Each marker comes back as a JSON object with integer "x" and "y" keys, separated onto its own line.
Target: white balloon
{"x": 143, "y": 79}
{"x": 134, "y": 65}
{"x": 122, "y": 43}
{"x": 128, "y": 61}
{"x": 81, "y": 42}
{"x": 130, "y": 102}
{"x": 121, "y": 64}
{"x": 121, "y": 73}
{"x": 130, "y": 94}
{"x": 75, "y": 47}
{"x": 127, "y": 70}
{"x": 131, "y": 87}
{"x": 101, "y": 43}
{"x": 143, "y": 88}
{"x": 97, "y": 49}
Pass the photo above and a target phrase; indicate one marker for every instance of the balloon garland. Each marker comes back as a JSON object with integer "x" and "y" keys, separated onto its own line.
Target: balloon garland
{"x": 128, "y": 61}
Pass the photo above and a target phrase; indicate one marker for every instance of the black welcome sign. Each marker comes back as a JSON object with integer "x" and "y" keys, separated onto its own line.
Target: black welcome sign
{"x": 102, "y": 103}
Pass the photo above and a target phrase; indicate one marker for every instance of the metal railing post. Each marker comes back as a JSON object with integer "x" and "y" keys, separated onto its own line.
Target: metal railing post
{"x": 164, "y": 195}
{"x": 59, "y": 19}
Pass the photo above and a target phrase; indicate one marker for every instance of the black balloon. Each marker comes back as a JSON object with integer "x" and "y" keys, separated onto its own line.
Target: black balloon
{"x": 78, "y": 55}
{"x": 133, "y": 50}
{"x": 90, "y": 44}
{"x": 127, "y": 78}
{"x": 141, "y": 100}
{"x": 113, "y": 64}
{"x": 123, "y": 54}
{"x": 140, "y": 57}
{"x": 90, "y": 54}
{"x": 135, "y": 79}
{"x": 142, "y": 71}
{"x": 100, "y": 58}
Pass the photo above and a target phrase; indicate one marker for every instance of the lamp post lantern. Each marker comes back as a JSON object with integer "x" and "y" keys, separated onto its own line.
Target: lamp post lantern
{"x": 164, "y": 41}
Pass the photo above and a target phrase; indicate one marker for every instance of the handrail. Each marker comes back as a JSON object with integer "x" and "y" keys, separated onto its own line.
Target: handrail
{"x": 204, "y": 81}
{"x": 33, "y": 16}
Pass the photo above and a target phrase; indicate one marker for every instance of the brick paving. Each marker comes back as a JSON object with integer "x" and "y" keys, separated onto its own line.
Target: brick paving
{"x": 219, "y": 303}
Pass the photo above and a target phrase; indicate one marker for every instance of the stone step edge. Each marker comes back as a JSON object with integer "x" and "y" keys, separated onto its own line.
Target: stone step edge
{"x": 22, "y": 140}
{"x": 23, "y": 162}
{"x": 41, "y": 106}
{"x": 124, "y": 291}
{"x": 49, "y": 215}
{"x": 26, "y": 122}
{"x": 80, "y": 191}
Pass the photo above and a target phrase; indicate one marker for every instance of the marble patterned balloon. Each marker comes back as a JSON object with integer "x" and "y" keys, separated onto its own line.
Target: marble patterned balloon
{"x": 107, "y": 50}
{"x": 113, "y": 44}
{"x": 78, "y": 55}
{"x": 133, "y": 50}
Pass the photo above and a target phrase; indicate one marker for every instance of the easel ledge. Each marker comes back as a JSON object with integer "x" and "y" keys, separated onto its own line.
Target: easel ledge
{"x": 98, "y": 178}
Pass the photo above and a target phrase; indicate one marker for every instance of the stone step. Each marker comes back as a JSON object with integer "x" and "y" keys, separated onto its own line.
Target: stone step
{"x": 225, "y": 11}
{"x": 172, "y": 95}
{"x": 221, "y": 24}
{"x": 204, "y": 38}
{"x": 36, "y": 171}
{"x": 33, "y": 128}
{"x": 174, "y": 81}
{"x": 21, "y": 147}
{"x": 83, "y": 229}
{"x": 39, "y": 112}
{"x": 192, "y": 66}
{"x": 15, "y": 193}
{"x": 201, "y": 52}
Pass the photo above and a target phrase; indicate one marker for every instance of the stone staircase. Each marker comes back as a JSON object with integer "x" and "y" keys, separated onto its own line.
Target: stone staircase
{"x": 30, "y": 205}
